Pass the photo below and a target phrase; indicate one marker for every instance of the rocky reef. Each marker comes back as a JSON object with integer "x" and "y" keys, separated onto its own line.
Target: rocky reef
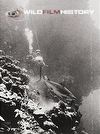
{"x": 42, "y": 107}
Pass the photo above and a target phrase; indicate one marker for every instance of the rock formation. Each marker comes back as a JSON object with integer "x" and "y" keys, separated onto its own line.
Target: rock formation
{"x": 41, "y": 107}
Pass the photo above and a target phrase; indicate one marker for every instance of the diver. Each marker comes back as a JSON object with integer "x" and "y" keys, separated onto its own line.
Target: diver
{"x": 38, "y": 59}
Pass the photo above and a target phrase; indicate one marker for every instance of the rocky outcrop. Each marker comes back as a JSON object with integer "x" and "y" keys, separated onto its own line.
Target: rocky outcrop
{"x": 20, "y": 114}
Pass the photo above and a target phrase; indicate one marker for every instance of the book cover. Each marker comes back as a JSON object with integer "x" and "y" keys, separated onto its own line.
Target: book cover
{"x": 49, "y": 67}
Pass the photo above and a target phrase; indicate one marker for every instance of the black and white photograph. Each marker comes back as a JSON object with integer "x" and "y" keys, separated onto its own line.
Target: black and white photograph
{"x": 49, "y": 67}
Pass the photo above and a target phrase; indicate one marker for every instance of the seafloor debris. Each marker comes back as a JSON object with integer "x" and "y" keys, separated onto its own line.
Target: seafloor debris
{"x": 21, "y": 115}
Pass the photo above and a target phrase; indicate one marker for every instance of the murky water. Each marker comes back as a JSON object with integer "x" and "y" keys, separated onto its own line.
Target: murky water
{"x": 90, "y": 109}
{"x": 22, "y": 3}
